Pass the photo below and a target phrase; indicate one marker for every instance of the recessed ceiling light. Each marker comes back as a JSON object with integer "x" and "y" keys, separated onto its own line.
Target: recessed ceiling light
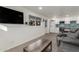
{"x": 40, "y": 8}
{"x": 67, "y": 15}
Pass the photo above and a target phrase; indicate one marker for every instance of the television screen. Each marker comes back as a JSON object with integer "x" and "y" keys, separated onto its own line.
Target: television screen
{"x": 10, "y": 16}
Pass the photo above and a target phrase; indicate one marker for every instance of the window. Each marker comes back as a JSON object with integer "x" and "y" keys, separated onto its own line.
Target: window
{"x": 72, "y": 22}
{"x": 61, "y": 22}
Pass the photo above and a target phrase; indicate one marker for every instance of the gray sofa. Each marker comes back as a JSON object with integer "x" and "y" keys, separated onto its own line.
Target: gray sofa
{"x": 72, "y": 38}
{"x": 70, "y": 43}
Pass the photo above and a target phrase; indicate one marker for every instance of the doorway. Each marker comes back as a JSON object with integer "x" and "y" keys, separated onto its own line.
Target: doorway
{"x": 52, "y": 26}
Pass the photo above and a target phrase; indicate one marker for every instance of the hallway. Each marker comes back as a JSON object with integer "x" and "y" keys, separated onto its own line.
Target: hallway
{"x": 31, "y": 29}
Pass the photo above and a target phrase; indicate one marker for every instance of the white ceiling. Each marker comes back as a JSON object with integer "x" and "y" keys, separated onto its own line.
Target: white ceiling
{"x": 58, "y": 11}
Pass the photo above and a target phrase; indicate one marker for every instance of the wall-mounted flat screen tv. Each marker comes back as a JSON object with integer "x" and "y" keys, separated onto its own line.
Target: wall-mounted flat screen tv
{"x": 10, "y": 16}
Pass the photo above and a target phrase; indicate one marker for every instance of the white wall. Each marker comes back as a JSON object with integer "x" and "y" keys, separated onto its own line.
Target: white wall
{"x": 17, "y": 33}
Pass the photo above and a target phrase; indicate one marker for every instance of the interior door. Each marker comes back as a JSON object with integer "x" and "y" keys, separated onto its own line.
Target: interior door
{"x": 52, "y": 26}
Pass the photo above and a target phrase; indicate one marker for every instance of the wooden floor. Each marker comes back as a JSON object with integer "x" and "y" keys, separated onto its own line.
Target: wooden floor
{"x": 54, "y": 41}
{"x": 55, "y": 48}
